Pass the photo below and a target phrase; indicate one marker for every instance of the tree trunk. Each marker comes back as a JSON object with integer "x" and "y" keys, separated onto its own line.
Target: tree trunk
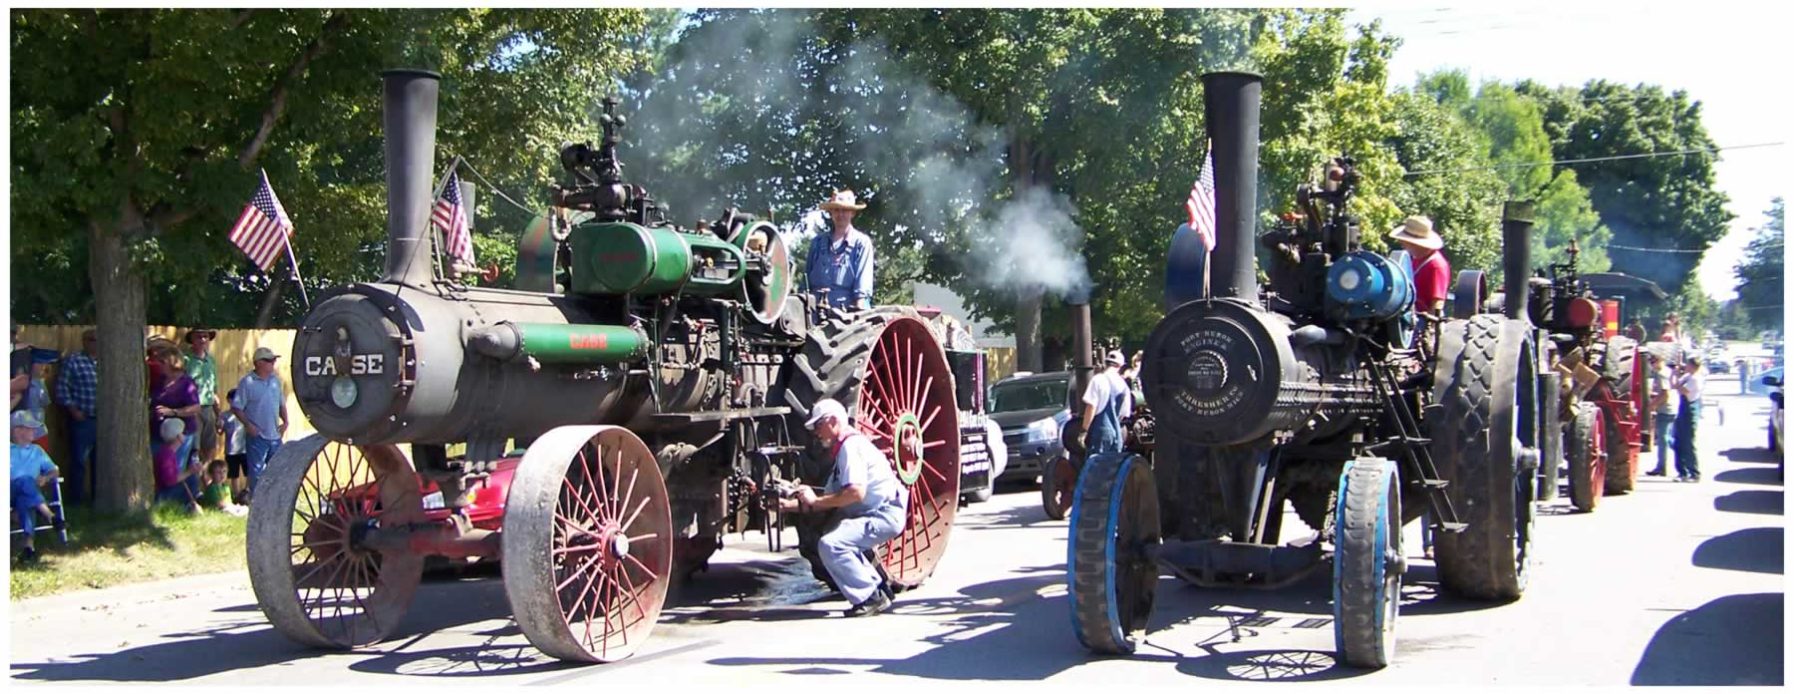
{"x": 121, "y": 469}
{"x": 1027, "y": 329}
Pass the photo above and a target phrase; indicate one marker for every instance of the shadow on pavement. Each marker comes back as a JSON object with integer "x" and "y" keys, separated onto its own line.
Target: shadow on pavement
{"x": 1749, "y": 455}
{"x": 1734, "y": 640}
{"x": 1750, "y": 501}
{"x": 1750, "y": 475}
{"x": 1750, "y": 549}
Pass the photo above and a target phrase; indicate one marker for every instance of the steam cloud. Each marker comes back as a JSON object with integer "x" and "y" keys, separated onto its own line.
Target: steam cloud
{"x": 912, "y": 142}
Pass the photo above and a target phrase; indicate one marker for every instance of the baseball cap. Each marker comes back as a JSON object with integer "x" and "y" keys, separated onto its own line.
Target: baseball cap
{"x": 826, "y": 407}
{"x": 1116, "y": 358}
{"x": 265, "y": 353}
{"x": 23, "y": 418}
{"x": 173, "y": 429}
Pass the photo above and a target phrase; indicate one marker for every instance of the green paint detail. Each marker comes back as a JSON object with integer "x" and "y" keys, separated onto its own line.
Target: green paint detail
{"x": 622, "y": 258}
{"x": 777, "y": 282}
{"x": 558, "y": 343}
{"x": 909, "y": 468}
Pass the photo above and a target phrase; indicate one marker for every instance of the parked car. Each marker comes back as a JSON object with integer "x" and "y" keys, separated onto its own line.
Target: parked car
{"x": 1773, "y": 379}
{"x": 1031, "y": 409}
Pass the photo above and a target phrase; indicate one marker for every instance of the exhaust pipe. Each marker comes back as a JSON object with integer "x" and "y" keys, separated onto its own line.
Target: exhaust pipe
{"x": 1230, "y": 105}
{"x": 410, "y": 102}
{"x": 1516, "y": 256}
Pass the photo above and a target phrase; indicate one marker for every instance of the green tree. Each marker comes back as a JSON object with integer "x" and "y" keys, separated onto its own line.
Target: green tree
{"x": 1761, "y": 275}
{"x": 138, "y": 136}
{"x": 1667, "y": 202}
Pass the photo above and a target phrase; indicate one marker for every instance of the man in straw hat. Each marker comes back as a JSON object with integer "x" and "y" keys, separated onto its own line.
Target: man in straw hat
{"x": 1432, "y": 273}
{"x": 840, "y": 259}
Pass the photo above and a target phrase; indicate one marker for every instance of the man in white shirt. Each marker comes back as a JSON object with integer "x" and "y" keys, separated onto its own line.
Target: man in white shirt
{"x": 1107, "y": 401}
{"x": 1690, "y": 383}
{"x": 873, "y": 507}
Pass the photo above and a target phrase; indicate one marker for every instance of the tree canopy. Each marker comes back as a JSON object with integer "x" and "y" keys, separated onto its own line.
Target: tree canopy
{"x": 1761, "y": 273}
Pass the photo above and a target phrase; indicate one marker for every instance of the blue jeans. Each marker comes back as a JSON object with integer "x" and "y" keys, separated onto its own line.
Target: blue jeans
{"x": 1687, "y": 420}
{"x": 259, "y": 452}
{"x": 83, "y": 436}
{"x": 25, "y": 499}
{"x": 1662, "y": 441}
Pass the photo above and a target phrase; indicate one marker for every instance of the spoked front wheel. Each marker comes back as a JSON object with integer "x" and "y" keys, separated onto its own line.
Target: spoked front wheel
{"x": 312, "y": 575}
{"x": 1367, "y": 563}
{"x": 1111, "y": 562}
{"x": 587, "y": 543}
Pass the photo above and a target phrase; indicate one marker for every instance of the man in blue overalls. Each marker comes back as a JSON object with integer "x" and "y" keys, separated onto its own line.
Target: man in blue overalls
{"x": 873, "y": 507}
{"x": 840, "y": 258}
{"x": 1107, "y": 402}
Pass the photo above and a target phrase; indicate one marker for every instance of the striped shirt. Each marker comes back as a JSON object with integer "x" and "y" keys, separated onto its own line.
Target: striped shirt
{"x": 79, "y": 384}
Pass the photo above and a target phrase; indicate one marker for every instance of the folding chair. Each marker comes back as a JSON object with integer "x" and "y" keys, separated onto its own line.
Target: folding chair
{"x": 54, "y": 501}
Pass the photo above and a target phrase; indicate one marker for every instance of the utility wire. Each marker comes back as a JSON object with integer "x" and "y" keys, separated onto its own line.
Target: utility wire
{"x": 495, "y": 189}
{"x": 1657, "y": 250}
{"x": 1619, "y": 157}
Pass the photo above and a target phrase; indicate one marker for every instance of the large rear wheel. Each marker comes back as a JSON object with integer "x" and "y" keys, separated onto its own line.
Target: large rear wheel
{"x": 587, "y": 543}
{"x": 1484, "y": 439}
{"x": 314, "y": 579}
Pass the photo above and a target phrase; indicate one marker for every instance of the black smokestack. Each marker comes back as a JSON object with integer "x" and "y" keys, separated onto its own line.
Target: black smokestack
{"x": 410, "y": 98}
{"x": 1083, "y": 363}
{"x": 1231, "y": 105}
{"x": 1516, "y": 255}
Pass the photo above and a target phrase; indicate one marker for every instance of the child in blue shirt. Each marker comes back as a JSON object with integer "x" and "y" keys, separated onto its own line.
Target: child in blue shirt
{"x": 31, "y": 467}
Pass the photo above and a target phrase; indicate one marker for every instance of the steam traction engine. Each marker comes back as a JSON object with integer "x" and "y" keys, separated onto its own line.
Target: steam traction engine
{"x": 1308, "y": 394}
{"x": 660, "y": 389}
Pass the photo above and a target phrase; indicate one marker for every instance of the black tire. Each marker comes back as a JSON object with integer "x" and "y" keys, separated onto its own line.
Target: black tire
{"x": 1110, "y": 570}
{"x": 1485, "y": 410}
{"x": 835, "y": 363}
{"x": 1587, "y": 473}
{"x": 1622, "y": 459}
{"x": 1367, "y": 563}
{"x": 1552, "y": 455}
{"x": 1058, "y": 483}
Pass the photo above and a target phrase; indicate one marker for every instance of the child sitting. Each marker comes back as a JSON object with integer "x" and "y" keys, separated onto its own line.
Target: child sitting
{"x": 31, "y": 467}
{"x": 170, "y": 481}
{"x": 217, "y": 493}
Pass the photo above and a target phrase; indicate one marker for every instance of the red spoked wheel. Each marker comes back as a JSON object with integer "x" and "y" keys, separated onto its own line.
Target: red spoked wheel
{"x": 907, "y": 407}
{"x": 588, "y": 543}
{"x": 1586, "y": 446}
{"x": 312, "y": 575}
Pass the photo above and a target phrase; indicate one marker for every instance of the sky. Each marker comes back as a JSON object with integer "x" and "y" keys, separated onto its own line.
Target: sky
{"x": 1732, "y": 57}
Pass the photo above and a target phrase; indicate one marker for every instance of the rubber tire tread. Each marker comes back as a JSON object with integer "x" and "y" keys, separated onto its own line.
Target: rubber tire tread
{"x": 1583, "y": 496}
{"x": 1477, "y": 562}
{"x": 1617, "y": 369}
{"x": 1355, "y": 608}
{"x": 1088, "y": 569}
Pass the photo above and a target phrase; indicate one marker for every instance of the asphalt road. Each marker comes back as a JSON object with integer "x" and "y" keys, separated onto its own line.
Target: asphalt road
{"x": 1673, "y": 584}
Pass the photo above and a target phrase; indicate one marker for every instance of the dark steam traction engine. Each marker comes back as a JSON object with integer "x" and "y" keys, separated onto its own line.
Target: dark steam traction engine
{"x": 1307, "y": 393}
{"x": 660, "y": 391}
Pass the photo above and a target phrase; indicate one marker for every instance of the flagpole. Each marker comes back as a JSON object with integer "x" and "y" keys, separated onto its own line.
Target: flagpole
{"x": 287, "y": 240}
{"x": 448, "y": 268}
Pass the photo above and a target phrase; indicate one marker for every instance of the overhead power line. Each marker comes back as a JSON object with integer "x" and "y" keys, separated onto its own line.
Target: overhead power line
{"x": 1588, "y": 160}
{"x": 1657, "y": 250}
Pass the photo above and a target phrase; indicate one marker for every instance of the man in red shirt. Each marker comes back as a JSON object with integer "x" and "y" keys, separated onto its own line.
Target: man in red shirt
{"x": 1432, "y": 272}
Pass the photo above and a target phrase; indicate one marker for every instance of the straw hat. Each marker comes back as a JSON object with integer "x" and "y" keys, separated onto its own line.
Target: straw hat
{"x": 1418, "y": 230}
{"x": 843, "y": 200}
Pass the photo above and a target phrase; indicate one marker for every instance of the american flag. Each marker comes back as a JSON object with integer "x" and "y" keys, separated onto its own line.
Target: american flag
{"x": 1201, "y": 204}
{"x": 261, "y": 231}
{"x": 452, "y": 218}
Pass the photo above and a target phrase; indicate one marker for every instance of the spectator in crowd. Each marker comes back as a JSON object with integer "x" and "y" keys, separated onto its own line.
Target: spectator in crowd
{"x": 235, "y": 453}
{"x": 261, "y": 405}
{"x": 1689, "y": 383}
{"x": 20, "y": 370}
{"x": 31, "y": 469}
{"x": 78, "y": 392}
{"x": 1672, "y": 330}
{"x": 37, "y": 396}
{"x": 1663, "y": 409}
{"x": 217, "y": 490}
{"x": 204, "y": 371}
{"x": 174, "y": 397}
{"x": 172, "y": 484}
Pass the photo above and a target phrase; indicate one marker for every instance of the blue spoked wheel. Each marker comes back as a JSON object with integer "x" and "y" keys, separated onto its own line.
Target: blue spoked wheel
{"x": 1110, "y": 564}
{"x": 1367, "y": 562}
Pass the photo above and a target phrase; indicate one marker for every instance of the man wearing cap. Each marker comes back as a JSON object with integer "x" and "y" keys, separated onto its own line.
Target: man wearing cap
{"x": 840, "y": 258}
{"x": 31, "y": 468}
{"x": 873, "y": 507}
{"x": 1107, "y": 401}
{"x": 78, "y": 392}
{"x": 1432, "y": 273}
{"x": 204, "y": 372}
{"x": 261, "y": 405}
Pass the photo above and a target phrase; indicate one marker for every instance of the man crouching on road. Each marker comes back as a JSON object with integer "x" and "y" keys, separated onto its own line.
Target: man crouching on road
{"x": 873, "y": 508}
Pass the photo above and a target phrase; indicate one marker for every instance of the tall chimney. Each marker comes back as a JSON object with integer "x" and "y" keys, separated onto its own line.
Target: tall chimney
{"x": 1516, "y": 255}
{"x": 410, "y": 98}
{"x": 1230, "y": 107}
{"x": 1083, "y": 363}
